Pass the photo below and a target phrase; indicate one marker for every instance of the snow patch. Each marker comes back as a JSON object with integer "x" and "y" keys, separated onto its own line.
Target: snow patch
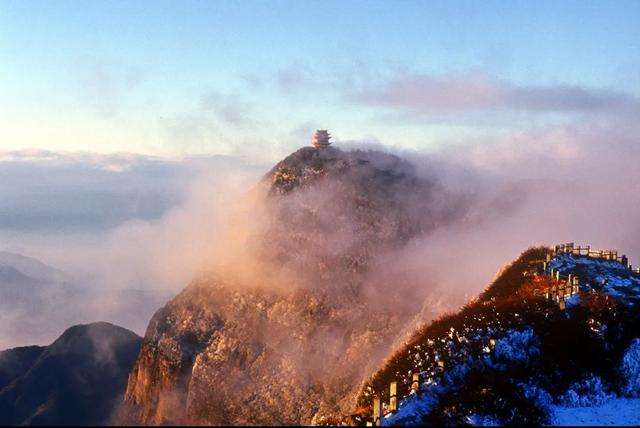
{"x": 617, "y": 411}
{"x": 610, "y": 277}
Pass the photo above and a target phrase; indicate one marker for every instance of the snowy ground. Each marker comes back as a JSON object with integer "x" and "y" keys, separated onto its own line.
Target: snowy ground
{"x": 618, "y": 280}
{"x": 617, "y": 411}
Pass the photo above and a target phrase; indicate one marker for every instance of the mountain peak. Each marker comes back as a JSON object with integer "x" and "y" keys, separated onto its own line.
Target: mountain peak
{"x": 307, "y": 164}
{"x": 91, "y": 338}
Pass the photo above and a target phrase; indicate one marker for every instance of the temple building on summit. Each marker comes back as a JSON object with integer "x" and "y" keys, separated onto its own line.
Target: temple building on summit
{"x": 321, "y": 139}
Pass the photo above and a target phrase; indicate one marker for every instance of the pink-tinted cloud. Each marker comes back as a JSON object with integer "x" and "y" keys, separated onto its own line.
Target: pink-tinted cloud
{"x": 463, "y": 93}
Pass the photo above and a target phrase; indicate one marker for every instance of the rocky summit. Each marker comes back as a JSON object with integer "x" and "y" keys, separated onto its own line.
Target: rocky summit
{"x": 291, "y": 344}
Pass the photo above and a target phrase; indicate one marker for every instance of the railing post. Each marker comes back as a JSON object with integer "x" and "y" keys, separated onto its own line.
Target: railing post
{"x": 377, "y": 411}
{"x": 393, "y": 396}
{"x": 415, "y": 383}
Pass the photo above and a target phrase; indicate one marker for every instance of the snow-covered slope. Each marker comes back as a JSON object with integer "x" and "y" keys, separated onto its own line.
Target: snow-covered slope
{"x": 614, "y": 412}
{"x": 515, "y": 356}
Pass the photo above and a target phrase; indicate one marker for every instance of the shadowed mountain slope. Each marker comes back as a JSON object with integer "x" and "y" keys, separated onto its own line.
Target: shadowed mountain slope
{"x": 77, "y": 380}
{"x": 15, "y": 362}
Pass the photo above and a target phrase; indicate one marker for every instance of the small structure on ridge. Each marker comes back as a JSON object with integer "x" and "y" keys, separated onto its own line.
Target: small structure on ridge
{"x": 321, "y": 139}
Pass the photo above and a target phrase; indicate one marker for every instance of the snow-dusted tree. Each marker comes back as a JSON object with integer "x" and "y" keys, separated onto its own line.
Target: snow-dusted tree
{"x": 588, "y": 392}
{"x": 630, "y": 369}
{"x": 517, "y": 346}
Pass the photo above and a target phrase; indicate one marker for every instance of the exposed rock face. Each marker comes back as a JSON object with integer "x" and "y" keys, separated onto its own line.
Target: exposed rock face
{"x": 291, "y": 347}
{"x": 77, "y": 380}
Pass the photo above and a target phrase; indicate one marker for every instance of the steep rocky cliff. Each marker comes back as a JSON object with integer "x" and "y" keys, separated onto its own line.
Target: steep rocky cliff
{"x": 291, "y": 342}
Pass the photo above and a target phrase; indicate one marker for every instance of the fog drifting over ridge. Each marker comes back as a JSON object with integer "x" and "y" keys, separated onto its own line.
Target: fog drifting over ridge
{"x": 97, "y": 217}
{"x": 573, "y": 183}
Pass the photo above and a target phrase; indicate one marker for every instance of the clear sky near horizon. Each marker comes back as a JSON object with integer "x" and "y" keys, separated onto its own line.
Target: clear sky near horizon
{"x": 174, "y": 78}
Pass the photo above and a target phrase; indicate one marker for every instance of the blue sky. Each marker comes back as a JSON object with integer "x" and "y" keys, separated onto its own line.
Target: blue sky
{"x": 173, "y": 78}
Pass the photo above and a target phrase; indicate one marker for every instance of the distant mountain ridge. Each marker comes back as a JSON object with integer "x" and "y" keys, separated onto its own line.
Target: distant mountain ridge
{"x": 32, "y": 267}
{"x": 37, "y": 301}
{"x": 31, "y": 295}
